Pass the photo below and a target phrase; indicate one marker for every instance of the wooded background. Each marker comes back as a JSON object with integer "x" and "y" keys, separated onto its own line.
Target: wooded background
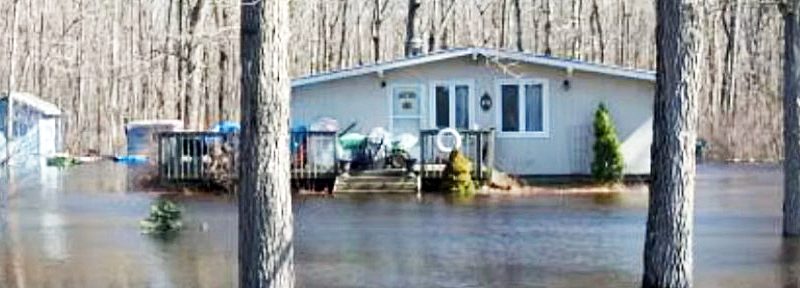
{"x": 105, "y": 62}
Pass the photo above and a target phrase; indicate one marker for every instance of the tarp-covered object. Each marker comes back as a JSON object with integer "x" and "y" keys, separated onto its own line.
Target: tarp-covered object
{"x": 142, "y": 135}
{"x": 226, "y": 127}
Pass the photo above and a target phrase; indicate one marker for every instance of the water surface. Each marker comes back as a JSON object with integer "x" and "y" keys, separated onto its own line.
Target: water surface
{"x": 79, "y": 228}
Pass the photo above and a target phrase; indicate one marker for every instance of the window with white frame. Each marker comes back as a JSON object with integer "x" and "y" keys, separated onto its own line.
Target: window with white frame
{"x": 452, "y": 104}
{"x": 523, "y": 108}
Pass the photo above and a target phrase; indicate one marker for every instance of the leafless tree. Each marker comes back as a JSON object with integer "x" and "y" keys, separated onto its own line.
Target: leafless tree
{"x": 668, "y": 241}
{"x": 791, "y": 130}
{"x": 266, "y": 230}
{"x": 413, "y": 6}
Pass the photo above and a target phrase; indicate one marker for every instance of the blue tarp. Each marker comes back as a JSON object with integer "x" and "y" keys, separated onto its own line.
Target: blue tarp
{"x": 227, "y": 127}
{"x": 131, "y": 159}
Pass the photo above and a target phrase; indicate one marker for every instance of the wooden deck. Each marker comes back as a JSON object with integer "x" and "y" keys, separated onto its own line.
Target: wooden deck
{"x": 189, "y": 157}
{"x": 192, "y": 157}
{"x": 476, "y": 145}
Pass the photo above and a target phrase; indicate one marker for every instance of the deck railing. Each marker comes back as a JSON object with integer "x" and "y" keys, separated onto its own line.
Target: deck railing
{"x": 476, "y": 145}
{"x": 314, "y": 155}
{"x": 190, "y": 156}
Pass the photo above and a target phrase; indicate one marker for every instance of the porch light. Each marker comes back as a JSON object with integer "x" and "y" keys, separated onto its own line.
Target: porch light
{"x": 486, "y": 102}
{"x": 567, "y": 84}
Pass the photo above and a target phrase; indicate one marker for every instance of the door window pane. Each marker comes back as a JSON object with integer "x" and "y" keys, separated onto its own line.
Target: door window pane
{"x": 510, "y": 109}
{"x": 442, "y": 107}
{"x": 406, "y": 102}
{"x": 534, "y": 116}
{"x": 462, "y": 107}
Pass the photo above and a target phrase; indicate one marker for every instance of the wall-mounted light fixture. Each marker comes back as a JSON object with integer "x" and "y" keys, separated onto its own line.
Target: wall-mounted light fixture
{"x": 568, "y": 81}
{"x": 486, "y": 102}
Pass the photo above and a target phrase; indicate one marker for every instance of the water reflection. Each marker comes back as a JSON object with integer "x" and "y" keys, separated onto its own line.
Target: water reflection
{"x": 79, "y": 228}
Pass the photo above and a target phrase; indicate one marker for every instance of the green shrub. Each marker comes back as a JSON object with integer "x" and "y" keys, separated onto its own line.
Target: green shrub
{"x": 607, "y": 165}
{"x": 165, "y": 216}
{"x": 457, "y": 178}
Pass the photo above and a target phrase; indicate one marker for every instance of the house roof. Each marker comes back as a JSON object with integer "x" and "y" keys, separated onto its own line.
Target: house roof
{"x": 34, "y": 102}
{"x": 173, "y": 123}
{"x": 529, "y": 58}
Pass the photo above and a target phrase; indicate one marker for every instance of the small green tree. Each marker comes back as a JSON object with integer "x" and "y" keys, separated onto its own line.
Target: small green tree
{"x": 607, "y": 165}
{"x": 165, "y": 217}
{"x": 458, "y": 175}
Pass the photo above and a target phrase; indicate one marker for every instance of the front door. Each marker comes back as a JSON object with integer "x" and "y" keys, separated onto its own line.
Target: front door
{"x": 406, "y": 112}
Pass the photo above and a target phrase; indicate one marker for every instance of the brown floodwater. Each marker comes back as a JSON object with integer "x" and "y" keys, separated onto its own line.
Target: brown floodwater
{"x": 79, "y": 227}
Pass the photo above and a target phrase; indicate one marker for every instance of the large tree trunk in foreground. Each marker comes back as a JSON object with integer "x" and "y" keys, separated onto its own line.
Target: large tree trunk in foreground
{"x": 265, "y": 205}
{"x": 791, "y": 122}
{"x": 668, "y": 242}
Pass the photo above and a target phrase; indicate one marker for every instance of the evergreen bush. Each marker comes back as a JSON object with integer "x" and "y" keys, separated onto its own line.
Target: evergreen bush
{"x": 608, "y": 164}
{"x": 458, "y": 175}
{"x": 165, "y": 216}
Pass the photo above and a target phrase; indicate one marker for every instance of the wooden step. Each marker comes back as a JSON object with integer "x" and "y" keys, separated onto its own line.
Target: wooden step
{"x": 372, "y": 191}
{"x": 380, "y": 172}
{"x": 377, "y": 186}
{"x": 380, "y": 181}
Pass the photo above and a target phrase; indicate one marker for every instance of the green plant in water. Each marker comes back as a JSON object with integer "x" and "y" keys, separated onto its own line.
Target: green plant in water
{"x": 607, "y": 166}
{"x": 165, "y": 216}
{"x": 457, "y": 175}
{"x": 62, "y": 161}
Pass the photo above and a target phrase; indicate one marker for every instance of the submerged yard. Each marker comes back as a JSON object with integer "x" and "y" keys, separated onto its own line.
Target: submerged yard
{"x": 80, "y": 227}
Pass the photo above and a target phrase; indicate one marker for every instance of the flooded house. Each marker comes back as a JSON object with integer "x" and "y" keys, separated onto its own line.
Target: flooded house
{"x": 532, "y": 114}
{"x": 398, "y": 122}
{"x": 37, "y": 130}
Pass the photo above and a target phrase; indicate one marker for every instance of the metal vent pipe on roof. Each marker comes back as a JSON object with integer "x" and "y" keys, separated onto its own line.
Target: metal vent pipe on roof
{"x": 416, "y": 47}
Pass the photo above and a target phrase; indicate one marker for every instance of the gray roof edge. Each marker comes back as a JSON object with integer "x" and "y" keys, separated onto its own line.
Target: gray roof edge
{"x": 578, "y": 65}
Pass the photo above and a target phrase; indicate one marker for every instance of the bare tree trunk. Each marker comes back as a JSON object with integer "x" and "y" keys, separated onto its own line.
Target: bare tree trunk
{"x": 597, "y": 33}
{"x": 413, "y": 6}
{"x": 10, "y": 82}
{"x": 503, "y": 24}
{"x": 343, "y": 32}
{"x": 222, "y": 66}
{"x": 195, "y": 50}
{"x": 266, "y": 251}
{"x": 518, "y": 24}
{"x": 78, "y": 100}
{"x": 623, "y": 16}
{"x": 668, "y": 242}
{"x": 548, "y": 27}
{"x": 791, "y": 121}
{"x": 179, "y": 50}
{"x": 730, "y": 25}
{"x": 377, "y": 20}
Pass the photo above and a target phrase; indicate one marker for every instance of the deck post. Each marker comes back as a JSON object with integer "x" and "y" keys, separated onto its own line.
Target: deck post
{"x": 478, "y": 156}
{"x": 335, "y": 155}
{"x": 159, "y": 159}
{"x": 422, "y": 154}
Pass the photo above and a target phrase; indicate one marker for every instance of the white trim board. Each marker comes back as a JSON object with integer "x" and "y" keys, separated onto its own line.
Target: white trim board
{"x": 380, "y": 68}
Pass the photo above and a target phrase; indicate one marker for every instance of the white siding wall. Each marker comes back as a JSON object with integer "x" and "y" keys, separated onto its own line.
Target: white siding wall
{"x": 567, "y": 150}
{"x": 48, "y": 131}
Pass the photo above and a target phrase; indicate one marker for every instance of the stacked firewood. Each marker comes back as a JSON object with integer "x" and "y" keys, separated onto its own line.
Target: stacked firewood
{"x": 221, "y": 166}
